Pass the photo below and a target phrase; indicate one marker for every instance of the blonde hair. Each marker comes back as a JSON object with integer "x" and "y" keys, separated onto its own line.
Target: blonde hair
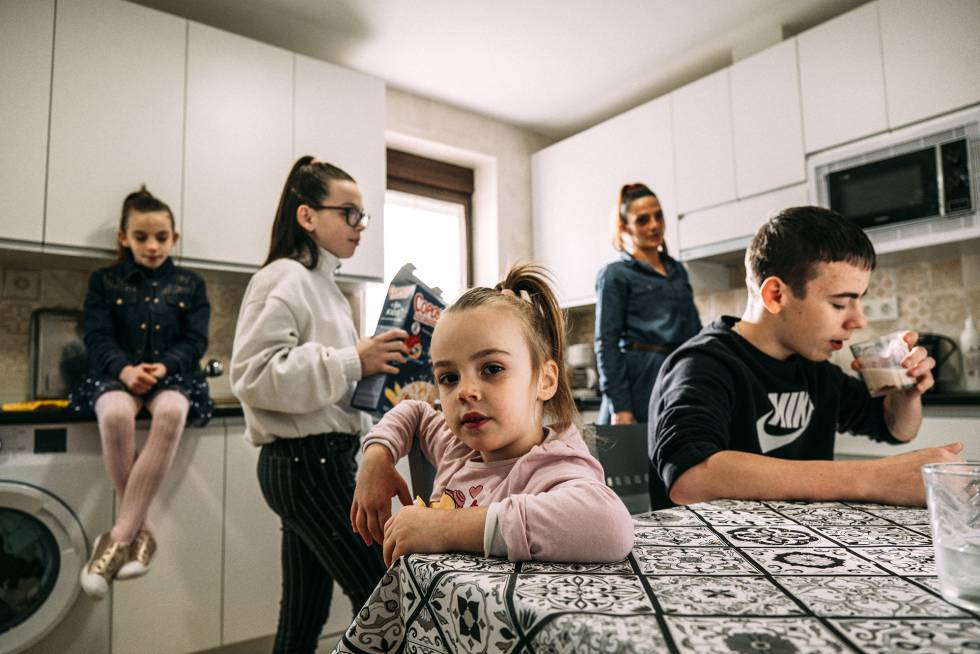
{"x": 526, "y": 291}
{"x": 629, "y": 193}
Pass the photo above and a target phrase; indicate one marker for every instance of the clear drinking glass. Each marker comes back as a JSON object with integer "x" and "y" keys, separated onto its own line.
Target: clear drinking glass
{"x": 953, "y": 498}
{"x": 881, "y": 364}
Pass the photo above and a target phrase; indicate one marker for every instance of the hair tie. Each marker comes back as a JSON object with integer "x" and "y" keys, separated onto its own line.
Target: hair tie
{"x": 523, "y": 295}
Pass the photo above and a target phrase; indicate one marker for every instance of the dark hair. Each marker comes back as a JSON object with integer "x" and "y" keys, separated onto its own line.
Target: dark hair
{"x": 791, "y": 244}
{"x": 144, "y": 202}
{"x": 308, "y": 183}
{"x": 527, "y": 292}
{"x": 628, "y": 194}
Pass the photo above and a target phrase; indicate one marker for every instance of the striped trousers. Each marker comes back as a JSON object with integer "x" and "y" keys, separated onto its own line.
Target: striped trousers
{"x": 309, "y": 483}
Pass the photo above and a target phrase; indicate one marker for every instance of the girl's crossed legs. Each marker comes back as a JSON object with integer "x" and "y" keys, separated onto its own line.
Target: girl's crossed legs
{"x": 137, "y": 479}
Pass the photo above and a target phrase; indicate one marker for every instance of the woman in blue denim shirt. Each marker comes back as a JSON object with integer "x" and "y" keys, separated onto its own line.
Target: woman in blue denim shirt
{"x": 146, "y": 329}
{"x": 644, "y": 309}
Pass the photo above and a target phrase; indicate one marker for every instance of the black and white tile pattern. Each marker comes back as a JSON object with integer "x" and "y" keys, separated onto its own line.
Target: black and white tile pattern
{"x": 727, "y": 576}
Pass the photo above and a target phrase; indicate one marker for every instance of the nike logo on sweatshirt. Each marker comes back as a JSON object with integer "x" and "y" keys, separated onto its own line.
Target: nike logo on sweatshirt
{"x": 788, "y": 419}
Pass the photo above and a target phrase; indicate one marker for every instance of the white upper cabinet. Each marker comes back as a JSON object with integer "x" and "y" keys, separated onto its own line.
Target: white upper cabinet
{"x": 575, "y": 186}
{"x": 26, "y": 29}
{"x": 932, "y": 57}
{"x": 340, "y": 118}
{"x": 729, "y": 227}
{"x": 841, "y": 79}
{"x": 238, "y": 144}
{"x": 767, "y": 122}
{"x": 703, "y": 151}
{"x": 117, "y": 104}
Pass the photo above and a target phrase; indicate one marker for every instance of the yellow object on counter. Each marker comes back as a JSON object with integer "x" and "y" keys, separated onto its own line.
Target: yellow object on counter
{"x": 34, "y": 405}
{"x": 445, "y": 502}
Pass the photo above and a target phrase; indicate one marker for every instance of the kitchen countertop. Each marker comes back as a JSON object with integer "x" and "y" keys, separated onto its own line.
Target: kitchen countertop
{"x": 57, "y": 416}
{"x": 52, "y": 416}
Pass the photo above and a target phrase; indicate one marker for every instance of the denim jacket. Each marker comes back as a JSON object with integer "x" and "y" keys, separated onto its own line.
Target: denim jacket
{"x": 137, "y": 315}
{"x": 636, "y": 304}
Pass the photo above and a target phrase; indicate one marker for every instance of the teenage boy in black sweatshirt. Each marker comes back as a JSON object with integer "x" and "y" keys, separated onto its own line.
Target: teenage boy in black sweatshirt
{"x": 749, "y": 408}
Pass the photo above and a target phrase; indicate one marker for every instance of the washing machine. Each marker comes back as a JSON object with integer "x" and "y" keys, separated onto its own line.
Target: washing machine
{"x": 54, "y": 498}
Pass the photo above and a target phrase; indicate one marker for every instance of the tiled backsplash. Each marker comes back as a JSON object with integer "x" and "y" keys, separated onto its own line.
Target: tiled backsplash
{"x": 933, "y": 296}
{"x": 25, "y": 289}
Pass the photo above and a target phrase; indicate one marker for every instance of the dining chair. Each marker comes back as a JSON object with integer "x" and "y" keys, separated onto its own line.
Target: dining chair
{"x": 622, "y": 451}
{"x": 422, "y": 472}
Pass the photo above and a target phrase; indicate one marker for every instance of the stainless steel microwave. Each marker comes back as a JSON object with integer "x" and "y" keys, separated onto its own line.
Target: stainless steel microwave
{"x": 928, "y": 171}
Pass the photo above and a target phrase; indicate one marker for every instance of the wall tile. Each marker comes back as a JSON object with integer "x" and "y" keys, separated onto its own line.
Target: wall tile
{"x": 947, "y": 312}
{"x": 705, "y": 304}
{"x": 883, "y": 283}
{"x": 21, "y": 284}
{"x": 946, "y": 275}
{"x": 63, "y": 288}
{"x": 914, "y": 313}
{"x": 15, "y": 318}
{"x": 970, "y": 265}
{"x": 913, "y": 278}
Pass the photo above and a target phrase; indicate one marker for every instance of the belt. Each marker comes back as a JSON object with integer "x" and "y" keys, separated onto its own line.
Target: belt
{"x": 313, "y": 444}
{"x": 650, "y": 347}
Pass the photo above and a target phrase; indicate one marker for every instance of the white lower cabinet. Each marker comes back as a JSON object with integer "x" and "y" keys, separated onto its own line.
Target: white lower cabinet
{"x": 252, "y": 571}
{"x": 176, "y": 607}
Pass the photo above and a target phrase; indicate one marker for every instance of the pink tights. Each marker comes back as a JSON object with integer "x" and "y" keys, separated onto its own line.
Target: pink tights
{"x": 137, "y": 478}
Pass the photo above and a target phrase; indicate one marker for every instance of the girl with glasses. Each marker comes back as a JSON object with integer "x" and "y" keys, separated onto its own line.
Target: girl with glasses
{"x": 295, "y": 361}
{"x": 644, "y": 308}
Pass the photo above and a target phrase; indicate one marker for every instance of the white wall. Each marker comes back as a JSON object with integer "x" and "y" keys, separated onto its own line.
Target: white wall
{"x": 500, "y": 155}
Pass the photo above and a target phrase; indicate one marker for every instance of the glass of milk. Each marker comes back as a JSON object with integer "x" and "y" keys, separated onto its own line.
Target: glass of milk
{"x": 881, "y": 364}
{"x": 953, "y": 498}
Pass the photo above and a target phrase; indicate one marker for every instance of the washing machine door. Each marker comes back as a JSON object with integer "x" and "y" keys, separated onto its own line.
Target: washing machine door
{"x": 42, "y": 551}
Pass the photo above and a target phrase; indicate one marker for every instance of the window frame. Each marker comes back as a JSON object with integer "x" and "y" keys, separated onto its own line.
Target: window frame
{"x": 417, "y": 175}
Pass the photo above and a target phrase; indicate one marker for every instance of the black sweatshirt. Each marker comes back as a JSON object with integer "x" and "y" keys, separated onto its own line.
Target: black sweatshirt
{"x": 719, "y": 392}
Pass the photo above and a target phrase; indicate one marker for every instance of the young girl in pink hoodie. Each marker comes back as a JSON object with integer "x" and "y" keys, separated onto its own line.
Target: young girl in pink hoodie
{"x": 521, "y": 489}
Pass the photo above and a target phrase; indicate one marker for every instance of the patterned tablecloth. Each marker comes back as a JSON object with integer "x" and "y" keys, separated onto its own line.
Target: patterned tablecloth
{"x": 726, "y": 576}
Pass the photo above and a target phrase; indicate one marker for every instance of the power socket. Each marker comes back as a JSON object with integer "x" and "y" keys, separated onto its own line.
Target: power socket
{"x": 880, "y": 309}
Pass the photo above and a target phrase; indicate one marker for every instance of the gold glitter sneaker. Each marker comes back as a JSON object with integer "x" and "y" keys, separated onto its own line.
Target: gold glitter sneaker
{"x": 107, "y": 557}
{"x": 141, "y": 551}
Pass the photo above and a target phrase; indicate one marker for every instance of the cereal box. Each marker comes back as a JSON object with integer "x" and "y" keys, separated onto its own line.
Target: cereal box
{"x": 414, "y": 307}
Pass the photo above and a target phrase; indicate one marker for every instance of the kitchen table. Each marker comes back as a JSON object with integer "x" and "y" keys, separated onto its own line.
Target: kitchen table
{"x": 725, "y": 576}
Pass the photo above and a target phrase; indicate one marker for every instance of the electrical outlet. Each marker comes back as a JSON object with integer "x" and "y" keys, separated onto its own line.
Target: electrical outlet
{"x": 880, "y": 309}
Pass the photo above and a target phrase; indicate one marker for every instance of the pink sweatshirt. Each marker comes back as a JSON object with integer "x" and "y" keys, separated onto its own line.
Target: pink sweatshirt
{"x": 552, "y": 504}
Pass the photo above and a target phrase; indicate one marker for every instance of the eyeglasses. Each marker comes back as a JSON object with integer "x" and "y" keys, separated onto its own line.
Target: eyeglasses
{"x": 353, "y": 215}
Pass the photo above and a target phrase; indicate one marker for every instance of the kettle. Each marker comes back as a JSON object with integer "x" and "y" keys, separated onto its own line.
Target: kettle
{"x": 943, "y": 349}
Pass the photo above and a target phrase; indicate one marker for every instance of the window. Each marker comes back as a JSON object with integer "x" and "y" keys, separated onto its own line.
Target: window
{"x": 427, "y": 208}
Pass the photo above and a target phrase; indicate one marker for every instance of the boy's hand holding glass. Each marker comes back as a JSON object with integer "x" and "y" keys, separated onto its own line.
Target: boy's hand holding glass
{"x": 137, "y": 379}
{"x": 917, "y": 364}
{"x": 377, "y": 482}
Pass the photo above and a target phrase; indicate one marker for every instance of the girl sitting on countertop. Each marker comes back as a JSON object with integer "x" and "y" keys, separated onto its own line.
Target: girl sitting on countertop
{"x": 146, "y": 329}
{"x": 520, "y": 489}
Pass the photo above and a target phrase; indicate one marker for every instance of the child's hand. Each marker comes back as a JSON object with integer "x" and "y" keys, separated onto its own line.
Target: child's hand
{"x": 158, "y": 370}
{"x": 415, "y": 529}
{"x": 377, "y": 352}
{"x": 137, "y": 379}
{"x": 377, "y": 483}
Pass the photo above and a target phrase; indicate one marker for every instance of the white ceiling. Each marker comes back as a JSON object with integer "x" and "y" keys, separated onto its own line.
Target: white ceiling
{"x": 552, "y": 66}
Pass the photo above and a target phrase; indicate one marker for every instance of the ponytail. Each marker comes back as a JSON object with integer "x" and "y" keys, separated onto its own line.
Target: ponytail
{"x": 527, "y": 291}
{"x": 308, "y": 183}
